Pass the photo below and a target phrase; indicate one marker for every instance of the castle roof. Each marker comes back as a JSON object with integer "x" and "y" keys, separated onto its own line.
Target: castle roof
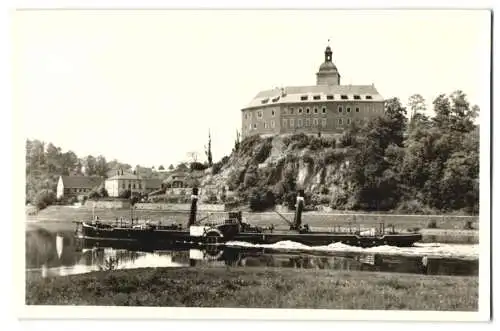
{"x": 316, "y": 93}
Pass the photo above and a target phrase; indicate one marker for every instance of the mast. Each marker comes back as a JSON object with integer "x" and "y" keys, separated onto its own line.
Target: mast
{"x": 194, "y": 200}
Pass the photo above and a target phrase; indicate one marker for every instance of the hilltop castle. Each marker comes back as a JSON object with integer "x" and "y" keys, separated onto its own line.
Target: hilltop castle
{"x": 327, "y": 107}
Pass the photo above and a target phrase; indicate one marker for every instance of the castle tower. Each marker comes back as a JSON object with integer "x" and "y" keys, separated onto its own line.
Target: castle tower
{"x": 328, "y": 73}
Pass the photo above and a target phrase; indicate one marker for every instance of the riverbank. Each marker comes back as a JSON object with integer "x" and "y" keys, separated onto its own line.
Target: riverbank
{"x": 257, "y": 288}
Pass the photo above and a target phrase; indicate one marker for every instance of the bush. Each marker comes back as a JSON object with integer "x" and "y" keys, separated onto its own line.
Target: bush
{"x": 263, "y": 151}
{"x": 261, "y": 199}
{"x": 197, "y": 166}
{"x": 124, "y": 194}
{"x": 103, "y": 192}
{"x": 94, "y": 195}
{"x": 216, "y": 168}
{"x": 468, "y": 225}
{"x": 44, "y": 198}
{"x": 432, "y": 224}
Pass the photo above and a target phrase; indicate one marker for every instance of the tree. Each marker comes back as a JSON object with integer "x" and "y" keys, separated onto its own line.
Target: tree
{"x": 53, "y": 158}
{"x": 442, "y": 111}
{"x": 416, "y": 103}
{"x": 236, "y": 142}
{"x": 101, "y": 166}
{"x": 90, "y": 165}
{"x": 161, "y": 167}
{"x": 208, "y": 150}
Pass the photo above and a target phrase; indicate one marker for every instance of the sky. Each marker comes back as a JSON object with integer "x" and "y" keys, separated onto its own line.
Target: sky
{"x": 146, "y": 86}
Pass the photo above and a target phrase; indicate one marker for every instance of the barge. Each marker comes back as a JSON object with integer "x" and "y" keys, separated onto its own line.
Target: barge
{"x": 233, "y": 228}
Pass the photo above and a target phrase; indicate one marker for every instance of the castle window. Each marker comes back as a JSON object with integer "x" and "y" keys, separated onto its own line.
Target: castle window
{"x": 348, "y": 121}
{"x": 292, "y": 122}
{"x": 300, "y": 110}
{"x": 246, "y": 116}
{"x": 123, "y": 186}
{"x": 299, "y": 123}
{"x": 308, "y": 122}
{"x": 329, "y": 97}
{"x": 272, "y": 112}
{"x": 368, "y": 97}
{"x": 284, "y": 122}
{"x": 344, "y": 97}
{"x": 255, "y": 126}
{"x": 340, "y": 109}
{"x": 340, "y": 121}
{"x": 324, "y": 110}
{"x": 129, "y": 186}
{"x": 291, "y": 110}
{"x": 272, "y": 124}
{"x": 133, "y": 186}
{"x": 285, "y": 110}
{"x": 315, "y": 110}
{"x": 316, "y": 97}
{"x": 259, "y": 114}
{"x": 357, "y": 97}
{"x": 323, "y": 122}
{"x": 265, "y": 101}
{"x": 357, "y": 109}
{"x": 348, "y": 109}
{"x": 315, "y": 122}
{"x": 303, "y": 98}
{"x": 307, "y": 110}
{"x": 250, "y": 127}
{"x": 265, "y": 125}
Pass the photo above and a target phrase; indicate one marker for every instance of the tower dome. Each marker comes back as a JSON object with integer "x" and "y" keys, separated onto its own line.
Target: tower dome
{"x": 328, "y": 73}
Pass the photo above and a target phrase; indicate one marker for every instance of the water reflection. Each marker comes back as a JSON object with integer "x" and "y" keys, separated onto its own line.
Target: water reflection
{"x": 50, "y": 254}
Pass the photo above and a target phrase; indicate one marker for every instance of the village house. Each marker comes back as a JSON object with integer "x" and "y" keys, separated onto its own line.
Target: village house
{"x": 75, "y": 186}
{"x": 130, "y": 181}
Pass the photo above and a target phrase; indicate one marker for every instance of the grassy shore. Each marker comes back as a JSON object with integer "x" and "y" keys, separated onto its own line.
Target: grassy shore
{"x": 257, "y": 288}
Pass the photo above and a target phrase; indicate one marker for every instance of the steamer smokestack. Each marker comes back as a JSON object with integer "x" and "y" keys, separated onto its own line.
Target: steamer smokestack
{"x": 298, "y": 210}
{"x": 194, "y": 201}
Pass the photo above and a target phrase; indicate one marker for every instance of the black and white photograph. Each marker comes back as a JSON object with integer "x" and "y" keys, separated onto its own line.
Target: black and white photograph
{"x": 270, "y": 163}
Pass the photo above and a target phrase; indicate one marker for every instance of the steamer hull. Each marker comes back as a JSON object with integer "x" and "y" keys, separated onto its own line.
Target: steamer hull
{"x": 233, "y": 228}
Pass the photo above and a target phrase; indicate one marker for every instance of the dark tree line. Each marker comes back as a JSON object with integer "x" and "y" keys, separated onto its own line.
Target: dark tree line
{"x": 424, "y": 163}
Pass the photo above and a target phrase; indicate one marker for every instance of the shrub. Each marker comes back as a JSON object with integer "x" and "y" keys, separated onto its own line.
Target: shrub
{"x": 103, "y": 192}
{"x": 263, "y": 151}
{"x": 94, "y": 195}
{"x": 124, "y": 194}
{"x": 216, "y": 168}
{"x": 261, "y": 199}
{"x": 44, "y": 199}
{"x": 197, "y": 166}
{"x": 432, "y": 224}
{"x": 468, "y": 225}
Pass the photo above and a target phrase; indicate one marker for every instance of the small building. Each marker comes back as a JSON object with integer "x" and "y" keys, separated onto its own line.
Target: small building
{"x": 73, "y": 186}
{"x": 177, "y": 179}
{"x": 130, "y": 181}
